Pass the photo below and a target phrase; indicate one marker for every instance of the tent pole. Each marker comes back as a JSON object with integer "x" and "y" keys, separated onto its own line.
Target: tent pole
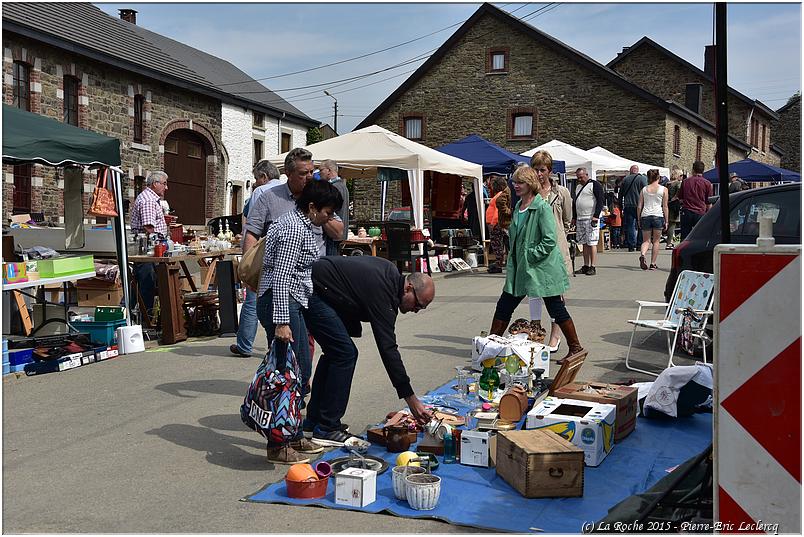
{"x": 120, "y": 240}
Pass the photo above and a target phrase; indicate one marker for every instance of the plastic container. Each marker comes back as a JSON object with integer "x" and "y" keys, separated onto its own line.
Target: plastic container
{"x": 423, "y": 491}
{"x": 20, "y": 357}
{"x": 65, "y": 266}
{"x": 100, "y": 331}
{"x": 307, "y": 489}
{"x": 129, "y": 339}
{"x": 108, "y": 313}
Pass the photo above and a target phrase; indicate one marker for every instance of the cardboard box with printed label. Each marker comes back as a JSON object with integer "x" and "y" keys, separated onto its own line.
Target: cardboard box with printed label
{"x": 355, "y": 487}
{"x": 623, "y": 397}
{"x": 540, "y": 464}
{"x": 590, "y": 426}
{"x": 475, "y": 448}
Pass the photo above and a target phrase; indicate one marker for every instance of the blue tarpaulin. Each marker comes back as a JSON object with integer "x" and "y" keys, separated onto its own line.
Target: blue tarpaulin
{"x": 492, "y": 157}
{"x": 753, "y": 171}
{"x": 478, "y": 497}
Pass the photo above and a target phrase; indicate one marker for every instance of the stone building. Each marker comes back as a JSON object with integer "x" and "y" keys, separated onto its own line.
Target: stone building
{"x": 515, "y": 85}
{"x": 788, "y": 133}
{"x": 171, "y": 106}
{"x": 656, "y": 69}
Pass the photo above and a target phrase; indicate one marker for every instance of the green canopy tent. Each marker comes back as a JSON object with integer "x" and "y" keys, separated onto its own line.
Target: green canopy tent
{"x": 33, "y": 139}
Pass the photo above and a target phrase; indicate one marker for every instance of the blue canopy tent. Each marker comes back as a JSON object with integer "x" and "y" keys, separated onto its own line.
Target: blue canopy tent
{"x": 752, "y": 171}
{"x": 492, "y": 157}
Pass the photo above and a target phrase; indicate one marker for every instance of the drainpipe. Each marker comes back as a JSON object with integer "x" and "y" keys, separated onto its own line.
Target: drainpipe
{"x": 279, "y": 134}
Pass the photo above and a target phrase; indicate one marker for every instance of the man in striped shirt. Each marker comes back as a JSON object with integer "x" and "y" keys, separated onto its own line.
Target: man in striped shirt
{"x": 147, "y": 217}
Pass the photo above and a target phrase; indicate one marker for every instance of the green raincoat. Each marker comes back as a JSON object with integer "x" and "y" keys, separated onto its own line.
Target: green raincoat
{"x": 535, "y": 265}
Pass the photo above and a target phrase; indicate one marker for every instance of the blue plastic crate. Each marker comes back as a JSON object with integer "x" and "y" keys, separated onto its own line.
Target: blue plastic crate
{"x": 20, "y": 357}
{"x": 100, "y": 331}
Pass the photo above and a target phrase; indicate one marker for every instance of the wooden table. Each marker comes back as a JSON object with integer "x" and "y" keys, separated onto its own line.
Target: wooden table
{"x": 167, "y": 298}
{"x": 371, "y": 242}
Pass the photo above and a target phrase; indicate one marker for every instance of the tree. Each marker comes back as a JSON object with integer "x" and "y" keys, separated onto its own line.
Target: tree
{"x": 314, "y": 135}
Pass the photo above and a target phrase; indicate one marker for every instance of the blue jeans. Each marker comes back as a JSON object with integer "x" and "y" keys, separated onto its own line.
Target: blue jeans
{"x": 145, "y": 274}
{"x": 297, "y": 327}
{"x": 615, "y": 237}
{"x": 247, "y": 328}
{"x": 332, "y": 381}
{"x": 630, "y": 224}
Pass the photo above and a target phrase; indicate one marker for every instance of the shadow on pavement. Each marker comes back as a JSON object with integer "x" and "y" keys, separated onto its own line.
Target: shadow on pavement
{"x": 221, "y": 449}
{"x": 447, "y": 339}
{"x": 446, "y": 351}
{"x": 224, "y": 422}
{"x": 220, "y": 386}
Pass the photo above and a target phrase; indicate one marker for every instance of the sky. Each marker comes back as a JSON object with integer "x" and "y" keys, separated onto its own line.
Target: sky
{"x": 273, "y": 40}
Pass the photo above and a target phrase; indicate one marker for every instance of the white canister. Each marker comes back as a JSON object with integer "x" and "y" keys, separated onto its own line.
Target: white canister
{"x": 129, "y": 339}
{"x": 423, "y": 491}
{"x": 471, "y": 259}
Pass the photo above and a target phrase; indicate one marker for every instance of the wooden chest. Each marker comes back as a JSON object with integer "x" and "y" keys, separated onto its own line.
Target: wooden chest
{"x": 623, "y": 397}
{"x": 540, "y": 463}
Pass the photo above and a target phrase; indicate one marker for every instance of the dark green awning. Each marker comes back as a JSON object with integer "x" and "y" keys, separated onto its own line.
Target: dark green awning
{"x": 29, "y": 138}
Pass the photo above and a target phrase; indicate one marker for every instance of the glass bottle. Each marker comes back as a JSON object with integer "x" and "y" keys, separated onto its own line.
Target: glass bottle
{"x": 449, "y": 448}
{"x": 489, "y": 379}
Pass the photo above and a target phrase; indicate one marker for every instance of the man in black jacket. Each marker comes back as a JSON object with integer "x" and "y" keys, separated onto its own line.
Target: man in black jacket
{"x": 346, "y": 292}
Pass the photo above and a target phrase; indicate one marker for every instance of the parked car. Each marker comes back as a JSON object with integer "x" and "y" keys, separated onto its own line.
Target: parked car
{"x": 696, "y": 251}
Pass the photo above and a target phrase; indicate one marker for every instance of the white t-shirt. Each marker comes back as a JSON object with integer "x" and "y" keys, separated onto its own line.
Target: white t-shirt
{"x": 585, "y": 203}
{"x": 652, "y": 202}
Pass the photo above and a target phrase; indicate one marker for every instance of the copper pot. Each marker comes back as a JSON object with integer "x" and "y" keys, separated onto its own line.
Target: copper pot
{"x": 396, "y": 438}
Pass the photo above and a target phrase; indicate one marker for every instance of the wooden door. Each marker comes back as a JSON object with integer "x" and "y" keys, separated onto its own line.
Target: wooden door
{"x": 234, "y": 200}
{"x": 186, "y": 166}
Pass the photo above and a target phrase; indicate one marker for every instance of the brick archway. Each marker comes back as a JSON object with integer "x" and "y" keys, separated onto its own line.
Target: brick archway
{"x": 211, "y": 150}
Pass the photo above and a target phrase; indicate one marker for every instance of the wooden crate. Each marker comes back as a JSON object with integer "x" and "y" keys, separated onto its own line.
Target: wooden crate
{"x": 540, "y": 464}
{"x": 623, "y": 397}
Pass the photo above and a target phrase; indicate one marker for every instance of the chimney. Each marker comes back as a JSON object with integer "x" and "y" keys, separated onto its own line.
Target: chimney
{"x": 693, "y": 97}
{"x": 128, "y": 15}
{"x": 709, "y": 60}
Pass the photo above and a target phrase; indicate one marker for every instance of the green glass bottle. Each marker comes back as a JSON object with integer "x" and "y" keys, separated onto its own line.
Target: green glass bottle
{"x": 489, "y": 380}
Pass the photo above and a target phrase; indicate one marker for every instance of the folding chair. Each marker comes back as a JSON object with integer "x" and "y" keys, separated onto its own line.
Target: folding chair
{"x": 693, "y": 290}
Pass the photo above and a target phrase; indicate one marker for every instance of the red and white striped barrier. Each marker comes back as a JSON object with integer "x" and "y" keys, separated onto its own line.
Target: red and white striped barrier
{"x": 757, "y": 446}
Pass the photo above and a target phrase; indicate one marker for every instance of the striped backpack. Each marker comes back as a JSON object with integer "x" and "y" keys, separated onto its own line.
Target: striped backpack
{"x": 272, "y": 405}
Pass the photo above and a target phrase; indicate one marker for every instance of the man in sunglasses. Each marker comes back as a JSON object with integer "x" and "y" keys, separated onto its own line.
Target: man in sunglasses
{"x": 348, "y": 291}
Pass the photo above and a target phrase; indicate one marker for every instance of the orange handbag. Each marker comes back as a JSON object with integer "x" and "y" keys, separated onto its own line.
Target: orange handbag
{"x": 102, "y": 198}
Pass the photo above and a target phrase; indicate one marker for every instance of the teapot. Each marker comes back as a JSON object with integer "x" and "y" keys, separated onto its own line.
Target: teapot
{"x": 374, "y": 231}
{"x": 396, "y": 438}
{"x": 362, "y": 233}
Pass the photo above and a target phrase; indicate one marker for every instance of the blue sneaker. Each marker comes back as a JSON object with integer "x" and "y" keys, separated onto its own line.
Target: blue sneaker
{"x": 308, "y": 427}
{"x": 335, "y": 438}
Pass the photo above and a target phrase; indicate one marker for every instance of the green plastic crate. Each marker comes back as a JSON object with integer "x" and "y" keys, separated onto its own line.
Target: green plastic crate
{"x": 65, "y": 266}
{"x": 108, "y": 313}
{"x": 100, "y": 331}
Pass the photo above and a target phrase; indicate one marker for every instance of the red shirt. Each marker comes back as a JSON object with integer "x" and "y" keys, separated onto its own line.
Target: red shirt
{"x": 694, "y": 194}
{"x": 615, "y": 219}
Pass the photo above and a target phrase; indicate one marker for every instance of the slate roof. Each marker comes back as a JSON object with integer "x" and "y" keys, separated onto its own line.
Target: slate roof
{"x": 791, "y": 102}
{"x": 84, "y": 29}
{"x": 561, "y": 48}
{"x": 647, "y": 41}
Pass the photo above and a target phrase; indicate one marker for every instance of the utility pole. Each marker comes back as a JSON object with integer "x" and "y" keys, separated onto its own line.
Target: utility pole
{"x": 335, "y": 126}
{"x": 722, "y": 120}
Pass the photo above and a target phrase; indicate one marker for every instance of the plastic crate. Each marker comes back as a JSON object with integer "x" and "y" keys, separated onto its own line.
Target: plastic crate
{"x": 65, "y": 266}
{"x": 108, "y": 313}
{"x": 20, "y": 357}
{"x": 100, "y": 331}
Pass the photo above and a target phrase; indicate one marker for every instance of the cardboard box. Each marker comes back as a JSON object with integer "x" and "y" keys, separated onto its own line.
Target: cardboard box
{"x": 475, "y": 448}
{"x": 540, "y": 464}
{"x": 623, "y": 397}
{"x": 590, "y": 426}
{"x": 355, "y": 487}
{"x": 95, "y": 292}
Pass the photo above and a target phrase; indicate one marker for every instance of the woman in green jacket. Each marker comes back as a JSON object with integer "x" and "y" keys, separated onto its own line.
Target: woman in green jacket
{"x": 535, "y": 266}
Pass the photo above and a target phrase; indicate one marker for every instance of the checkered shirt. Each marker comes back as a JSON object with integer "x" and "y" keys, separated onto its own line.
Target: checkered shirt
{"x": 290, "y": 250}
{"x": 147, "y": 211}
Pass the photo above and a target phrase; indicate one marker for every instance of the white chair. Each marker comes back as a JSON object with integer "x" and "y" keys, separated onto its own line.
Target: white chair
{"x": 693, "y": 290}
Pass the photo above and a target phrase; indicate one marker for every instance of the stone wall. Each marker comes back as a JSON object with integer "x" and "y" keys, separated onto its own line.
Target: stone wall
{"x": 666, "y": 78}
{"x": 106, "y": 101}
{"x": 688, "y": 146}
{"x": 788, "y": 135}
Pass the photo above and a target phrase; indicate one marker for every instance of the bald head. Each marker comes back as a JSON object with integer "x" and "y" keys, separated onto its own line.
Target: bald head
{"x": 419, "y": 292}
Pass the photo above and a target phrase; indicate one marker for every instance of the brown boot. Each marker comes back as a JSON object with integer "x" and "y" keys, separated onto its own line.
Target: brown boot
{"x": 574, "y": 346}
{"x": 498, "y": 327}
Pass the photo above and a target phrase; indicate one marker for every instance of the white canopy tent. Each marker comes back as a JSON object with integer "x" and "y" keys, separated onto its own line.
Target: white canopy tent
{"x": 626, "y": 164}
{"x": 364, "y": 150}
{"x": 575, "y": 157}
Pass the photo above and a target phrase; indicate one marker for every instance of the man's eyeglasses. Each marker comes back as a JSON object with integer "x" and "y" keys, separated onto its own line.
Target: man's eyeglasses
{"x": 416, "y": 298}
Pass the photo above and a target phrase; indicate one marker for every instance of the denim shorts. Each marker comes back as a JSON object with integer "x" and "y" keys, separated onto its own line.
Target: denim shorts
{"x": 652, "y": 222}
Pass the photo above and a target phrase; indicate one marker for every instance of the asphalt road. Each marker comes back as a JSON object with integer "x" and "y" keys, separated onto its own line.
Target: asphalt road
{"x": 153, "y": 442}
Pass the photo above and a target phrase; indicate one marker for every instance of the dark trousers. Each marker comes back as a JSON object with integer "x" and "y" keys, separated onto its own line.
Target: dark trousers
{"x": 332, "y": 381}
{"x": 688, "y": 221}
{"x": 508, "y": 303}
{"x": 630, "y": 225}
{"x": 145, "y": 274}
{"x": 615, "y": 237}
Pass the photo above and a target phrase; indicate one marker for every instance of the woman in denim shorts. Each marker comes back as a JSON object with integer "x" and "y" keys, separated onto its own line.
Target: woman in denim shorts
{"x": 652, "y": 211}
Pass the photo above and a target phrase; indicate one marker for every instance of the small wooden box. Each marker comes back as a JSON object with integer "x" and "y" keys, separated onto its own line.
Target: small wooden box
{"x": 540, "y": 464}
{"x": 623, "y": 397}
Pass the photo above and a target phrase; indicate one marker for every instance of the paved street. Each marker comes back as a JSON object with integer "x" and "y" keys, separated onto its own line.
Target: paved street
{"x": 153, "y": 442}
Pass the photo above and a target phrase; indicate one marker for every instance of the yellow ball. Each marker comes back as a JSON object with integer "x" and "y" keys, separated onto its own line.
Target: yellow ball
{"x": 404, "y": 459}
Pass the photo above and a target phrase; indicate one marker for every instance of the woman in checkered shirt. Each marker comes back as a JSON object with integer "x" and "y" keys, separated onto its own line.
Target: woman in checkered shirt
{"x": 286, "y": 285}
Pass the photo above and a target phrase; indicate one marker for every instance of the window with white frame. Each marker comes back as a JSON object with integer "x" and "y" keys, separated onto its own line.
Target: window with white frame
{"x": 523, "y": 125}
{"x": 413, "y": 128}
